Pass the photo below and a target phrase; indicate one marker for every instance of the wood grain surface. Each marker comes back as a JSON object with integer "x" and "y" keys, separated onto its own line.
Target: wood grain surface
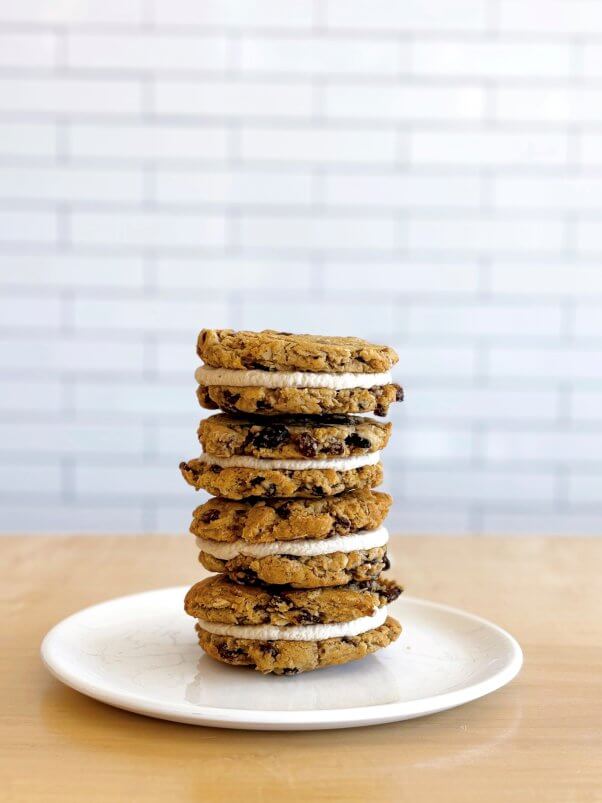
{"x": 539, "y": 739}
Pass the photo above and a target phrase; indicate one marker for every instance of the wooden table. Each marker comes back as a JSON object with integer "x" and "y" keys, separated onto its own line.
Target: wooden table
{"x": 539, "y": 739}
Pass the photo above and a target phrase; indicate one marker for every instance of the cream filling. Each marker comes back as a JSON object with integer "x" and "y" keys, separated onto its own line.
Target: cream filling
{"x": 298, "y": 632}
{"x": 205, "y": 375}
{"x": 365, "y": 539}
{"x": 338, "y": 463}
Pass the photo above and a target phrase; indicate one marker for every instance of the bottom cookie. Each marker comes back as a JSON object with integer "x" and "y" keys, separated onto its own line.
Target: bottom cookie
{"x": 282, "y": 657}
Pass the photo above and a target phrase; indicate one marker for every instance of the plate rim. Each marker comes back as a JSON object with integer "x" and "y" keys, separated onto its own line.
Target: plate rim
{"x": 261, "y": 719}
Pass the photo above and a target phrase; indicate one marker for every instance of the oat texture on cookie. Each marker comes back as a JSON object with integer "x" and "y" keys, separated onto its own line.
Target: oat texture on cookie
{"x": 294, "y": 530}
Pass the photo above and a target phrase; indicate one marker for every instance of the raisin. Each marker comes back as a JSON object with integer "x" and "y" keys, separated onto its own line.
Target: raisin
{"x": 357, "y": 441}
{"x": 262, "y": 405}
{"x": 257, "y": 366}
{"x": 399, "y": 393}
{"x": 215, "y": 469}
{"x": 271, "y": 437}
{"x": 317, "y": 490}
{"x": 270, "y": 490}
{"x": 386, "y": 563}
{"x": 336, "y": 448}
{"x": 257, "y": 481}
{"x": 268, "y": 648}
{"x": 307, "y": 444}
{"x": 342, "y": 525}
{"x": 290, "y": 671}
{"x": 307, "y": 618}
{"x": 228, "y": 654}
{"x": 209, "y": 515}
{"x": 230, "y": 399}
{"x": 245, "y": 576}
{"x": 284, "y": 511}
{"x": 390, "y": 593}
{"x": 347, "y": 640}
{"x": 380, "y": 410}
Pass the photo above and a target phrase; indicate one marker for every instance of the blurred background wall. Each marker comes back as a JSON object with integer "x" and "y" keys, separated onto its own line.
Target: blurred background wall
{"x": 423, "y": 174}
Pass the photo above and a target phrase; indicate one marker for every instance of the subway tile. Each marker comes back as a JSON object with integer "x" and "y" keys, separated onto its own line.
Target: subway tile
{"x": 565, "y": 17}
{"x": 588, "y": 320}
{"x": 262, "y": 14}
{"x": 401, "y": 277}
{"x": 24, "y": 396}
{"x": 412, "y": 15}
{"x": 21, "y": 311}
{"x": 150, "y": 314}
{"x": 23, "y": 476}
{"x": 561, "y": 193}
{"x": 564, "y": 364}
{"x": 403, "y": 102}
{"x": 153, "y": 142}
{"x": 585, "y": 488}
{"x": 485, "y": 320}
{"x": 434, "y": 363}
{"x": 92, "y": 12}
{"x": 235, "y": 187}
{"x": 416, "y": 520}
{"x": 233, "y": 98}
{"x": 317, "y": 233}
{"x": 26, "y": 140}
{"x": 66, "y": 356}
{"x": 465, "y": 58}
{"x": 72, "y": 271}
{"x": 557, "y": 104}
{"x": 61, "y": 95}
{"x": 488, "y": 148}
{"x": 148, "y": 229}
{"x": 153, "y": 52}
{"x": 559, "y": 279}
{"x": 319, "y": 145}
{"x": 129, "y": 399}
{"x": 588, "y": 236}
{"x": 70, "y": 183}
{"x": 318, "y": 55}
{"x": 548, "y": 447}
{"x": 586, "y": 405}
{"x": 28, "y": 226}
{"x": 141, "y": 480}
{"x": 69, "y": 438}
{"x": 405, "y": 190}
{"x": 490, "y": 234}
{"x": 225, "y": 273}
{"x": 518, "y": 486}
{"x": 496, "y": 405}
{"x": 31, "y": 49}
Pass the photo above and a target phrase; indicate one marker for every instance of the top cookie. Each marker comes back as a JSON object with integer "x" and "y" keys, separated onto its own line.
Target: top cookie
{"x": 282, "y": 351}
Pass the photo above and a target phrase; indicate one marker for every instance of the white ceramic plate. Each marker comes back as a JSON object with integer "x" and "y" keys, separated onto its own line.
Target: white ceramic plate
{"x": 140, "y": 653}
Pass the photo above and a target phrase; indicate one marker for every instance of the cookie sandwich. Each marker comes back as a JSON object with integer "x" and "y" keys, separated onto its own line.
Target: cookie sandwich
{"x": 285, "y": 631}
{"x": 302, "y": 543}
{"x": 291, "y": 456}
{"x": 272, "y": 373}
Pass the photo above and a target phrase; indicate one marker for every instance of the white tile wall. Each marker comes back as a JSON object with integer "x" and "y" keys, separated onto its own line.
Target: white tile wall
{"x": 426, "y": 174}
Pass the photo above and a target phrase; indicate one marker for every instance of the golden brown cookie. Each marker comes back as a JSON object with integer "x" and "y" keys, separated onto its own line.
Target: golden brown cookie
{"x": 308, "y": 401}
{"x": 265, "y": 520}
{"x": 316, "y": 571}
{"x": 292, "y": 437}
{"x": 238, "y": 483}
{"x": 218, "y": 599}
{"x": 283, "y": 351}
{"x": 292, "y": 657}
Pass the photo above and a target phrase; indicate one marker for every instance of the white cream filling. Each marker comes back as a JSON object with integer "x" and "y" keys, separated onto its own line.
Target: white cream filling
{"x": 338, "y": 463}
{"x": 365, "y": 539}
{"x": 298, "y": 632}
{"x": 205, "y": 375}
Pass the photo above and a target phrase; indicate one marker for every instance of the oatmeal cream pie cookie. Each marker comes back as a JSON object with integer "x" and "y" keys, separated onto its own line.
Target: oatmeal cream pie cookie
{"x": 304, "y": 543}
{"x": 273, "y": 373}
{"x": 286, "y": 631}
{"x": 311, "y": 456}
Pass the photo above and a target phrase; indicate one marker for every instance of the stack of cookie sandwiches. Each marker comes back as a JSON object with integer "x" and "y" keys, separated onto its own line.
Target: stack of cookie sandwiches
{"x": 295, "y": 530}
